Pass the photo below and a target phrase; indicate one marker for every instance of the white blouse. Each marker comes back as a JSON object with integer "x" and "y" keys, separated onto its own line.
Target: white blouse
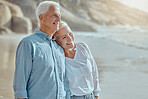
{"x": 82, "y": 72}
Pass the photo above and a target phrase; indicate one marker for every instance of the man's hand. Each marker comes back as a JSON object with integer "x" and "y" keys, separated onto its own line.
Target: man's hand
{"x": 96, "y": 97}
{"x": 21, "y": 98}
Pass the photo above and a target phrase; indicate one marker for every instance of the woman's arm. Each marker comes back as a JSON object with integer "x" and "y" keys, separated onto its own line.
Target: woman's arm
{"x": 97, "y": 97}
{"x": 94, "y": 71}
{"x": 21, "y": 98}
{"x": 95, "y": 77}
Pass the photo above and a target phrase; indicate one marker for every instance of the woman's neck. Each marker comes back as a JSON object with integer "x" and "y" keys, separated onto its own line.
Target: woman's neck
{"x": 70, "y": 53}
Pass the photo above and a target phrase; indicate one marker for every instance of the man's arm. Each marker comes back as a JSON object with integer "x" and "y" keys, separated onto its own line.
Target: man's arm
{"x": 23, "y": 66}
{"x": 66, "y": 87}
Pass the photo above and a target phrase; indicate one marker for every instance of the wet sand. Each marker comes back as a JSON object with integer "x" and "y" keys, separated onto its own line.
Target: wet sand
{"x": 123, "y": 70}
{"x": 8, "y": 44}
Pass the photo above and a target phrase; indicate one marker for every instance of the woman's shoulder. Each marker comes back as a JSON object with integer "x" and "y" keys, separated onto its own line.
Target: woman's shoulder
{"x": 82, "y": 46}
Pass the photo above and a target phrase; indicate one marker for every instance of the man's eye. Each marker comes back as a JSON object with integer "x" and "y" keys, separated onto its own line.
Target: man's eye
{"x": 63, "y": 37}
{"x": 54, "y": 16}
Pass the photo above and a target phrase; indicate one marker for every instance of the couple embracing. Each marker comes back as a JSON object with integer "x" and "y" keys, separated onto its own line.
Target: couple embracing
{"x": 51, "y": 65}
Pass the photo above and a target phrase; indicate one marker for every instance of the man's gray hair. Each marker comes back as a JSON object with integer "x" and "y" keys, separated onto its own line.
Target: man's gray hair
{"x": 43, "y": 7}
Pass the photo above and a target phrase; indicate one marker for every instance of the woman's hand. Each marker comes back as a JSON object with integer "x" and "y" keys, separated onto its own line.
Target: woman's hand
{"x": 96, "y": 97}
{"x": 21, "y": 98}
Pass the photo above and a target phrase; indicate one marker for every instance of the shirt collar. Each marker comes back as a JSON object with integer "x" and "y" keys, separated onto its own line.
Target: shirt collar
{"x": 43, "y": 35}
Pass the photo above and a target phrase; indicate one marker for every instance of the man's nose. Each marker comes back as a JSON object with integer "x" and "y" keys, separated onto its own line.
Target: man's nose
{"x": 58, "y": 18}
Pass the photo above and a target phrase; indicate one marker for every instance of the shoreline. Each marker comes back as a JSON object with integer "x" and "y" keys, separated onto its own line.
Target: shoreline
{"x": 136, "y": 40}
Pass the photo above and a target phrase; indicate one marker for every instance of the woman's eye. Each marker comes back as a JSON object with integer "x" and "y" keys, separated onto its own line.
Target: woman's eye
{"x": 70, "y": 33}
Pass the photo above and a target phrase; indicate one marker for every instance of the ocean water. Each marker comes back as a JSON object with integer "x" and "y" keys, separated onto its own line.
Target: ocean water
{"x": 134, "y": 52}
{"x": 134, "y": 36}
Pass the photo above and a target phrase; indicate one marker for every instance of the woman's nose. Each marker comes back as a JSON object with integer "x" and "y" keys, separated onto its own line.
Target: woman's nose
{"x": 69, "y": 39}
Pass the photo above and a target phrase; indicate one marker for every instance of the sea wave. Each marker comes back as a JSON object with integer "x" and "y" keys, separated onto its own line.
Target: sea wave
{"x": 131, "y": 36}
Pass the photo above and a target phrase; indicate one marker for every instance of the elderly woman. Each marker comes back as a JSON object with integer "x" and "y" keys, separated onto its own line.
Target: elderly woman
{"x": 82, "y": 72}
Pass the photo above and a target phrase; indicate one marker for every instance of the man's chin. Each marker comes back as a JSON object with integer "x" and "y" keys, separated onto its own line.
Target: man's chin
{"x": 55, "y": 29}
{"x": 58, "y": 28}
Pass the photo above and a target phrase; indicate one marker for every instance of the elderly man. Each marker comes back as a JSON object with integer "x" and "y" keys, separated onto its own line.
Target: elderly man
{"x": 40, "y": 61}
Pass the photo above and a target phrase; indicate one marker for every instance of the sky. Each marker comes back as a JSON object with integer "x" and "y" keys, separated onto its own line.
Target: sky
{"x": 139, "y": 4}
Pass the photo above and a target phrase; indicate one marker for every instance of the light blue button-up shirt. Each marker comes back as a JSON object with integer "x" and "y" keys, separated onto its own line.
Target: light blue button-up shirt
{"x": 40, "y": 69}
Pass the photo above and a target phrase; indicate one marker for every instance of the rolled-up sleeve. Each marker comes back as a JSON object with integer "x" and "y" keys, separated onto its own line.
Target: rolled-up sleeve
{"x": 97, "y": 88}
{"x": 23, "y": 66}
{"x": 95, "y": 78}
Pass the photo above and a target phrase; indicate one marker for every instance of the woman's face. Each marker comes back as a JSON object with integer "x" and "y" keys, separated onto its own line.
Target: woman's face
{"x": 65, "y": 38}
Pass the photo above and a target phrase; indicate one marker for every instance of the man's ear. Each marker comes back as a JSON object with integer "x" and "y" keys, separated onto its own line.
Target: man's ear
{"x": 41, "y": 17}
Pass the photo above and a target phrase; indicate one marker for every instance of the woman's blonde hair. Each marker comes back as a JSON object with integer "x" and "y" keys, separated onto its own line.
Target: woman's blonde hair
{"x": 63, "y": 24}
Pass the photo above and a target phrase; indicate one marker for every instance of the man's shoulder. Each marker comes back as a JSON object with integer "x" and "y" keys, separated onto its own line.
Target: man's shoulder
{"x": 58, "y": 47}
{"x": 30, "y": 38}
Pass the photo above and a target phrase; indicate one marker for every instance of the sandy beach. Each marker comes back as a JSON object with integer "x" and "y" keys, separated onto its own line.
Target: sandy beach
{"x": 123, "y": 69}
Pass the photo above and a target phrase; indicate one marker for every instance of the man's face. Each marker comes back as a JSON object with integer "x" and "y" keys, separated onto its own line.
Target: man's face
{"x": 51, "y": 19}
{"x": 65, "y": 38}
